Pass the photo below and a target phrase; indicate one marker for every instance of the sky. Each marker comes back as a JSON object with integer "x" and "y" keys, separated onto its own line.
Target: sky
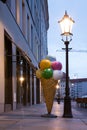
{"x": 77, "y": 11}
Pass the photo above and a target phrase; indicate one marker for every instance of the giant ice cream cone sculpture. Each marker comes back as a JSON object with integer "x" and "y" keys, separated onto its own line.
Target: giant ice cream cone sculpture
{"x": 49, "y": 73}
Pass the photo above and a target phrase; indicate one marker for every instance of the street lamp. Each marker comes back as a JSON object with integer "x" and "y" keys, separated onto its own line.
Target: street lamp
{"x": 66, "y": 26}
{"x": 21, "y": 79}
{"x": 58, "y": 93}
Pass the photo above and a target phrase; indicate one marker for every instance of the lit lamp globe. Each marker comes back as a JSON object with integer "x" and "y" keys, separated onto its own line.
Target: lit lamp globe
{"x": 66, "y": 24}
{"x": 21, "y": 79}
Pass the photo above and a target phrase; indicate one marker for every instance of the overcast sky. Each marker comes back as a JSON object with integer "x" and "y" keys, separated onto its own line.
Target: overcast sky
{"x": 77, "y": 10}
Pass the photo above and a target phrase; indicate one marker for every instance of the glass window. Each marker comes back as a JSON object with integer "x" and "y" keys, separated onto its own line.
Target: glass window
{"x": 23, "y": 17}
{"x": 17, "y": 11}
{"x": 28, "y": 28}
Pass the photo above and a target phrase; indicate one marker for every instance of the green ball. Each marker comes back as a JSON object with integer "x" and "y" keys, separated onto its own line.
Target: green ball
{"x": 47, "y": 73}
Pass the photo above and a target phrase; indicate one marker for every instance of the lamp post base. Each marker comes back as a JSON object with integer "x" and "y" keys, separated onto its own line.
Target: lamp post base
{"x": 67, "y": 108}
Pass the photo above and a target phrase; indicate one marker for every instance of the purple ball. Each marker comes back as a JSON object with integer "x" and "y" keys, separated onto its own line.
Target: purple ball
{"x": 56, "y": 65}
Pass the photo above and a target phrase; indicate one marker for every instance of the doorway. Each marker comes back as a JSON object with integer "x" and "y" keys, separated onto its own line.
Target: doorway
{"x": 8, "y": 74}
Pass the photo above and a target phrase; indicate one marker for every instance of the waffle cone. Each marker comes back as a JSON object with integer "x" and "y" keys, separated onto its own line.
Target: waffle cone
{"x": 49, "y": 89}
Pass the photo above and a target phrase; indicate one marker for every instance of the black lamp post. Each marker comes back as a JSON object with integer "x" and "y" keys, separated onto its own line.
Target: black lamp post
{"x": 66, "y": 26}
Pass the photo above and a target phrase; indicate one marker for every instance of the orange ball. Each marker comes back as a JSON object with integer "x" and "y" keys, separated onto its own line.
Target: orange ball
{"x": 44, "y": 64}
{"x": 38, "y": 73}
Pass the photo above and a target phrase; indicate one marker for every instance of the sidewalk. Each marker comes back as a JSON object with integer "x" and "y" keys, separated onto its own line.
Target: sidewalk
{"x": 29, "y": 118}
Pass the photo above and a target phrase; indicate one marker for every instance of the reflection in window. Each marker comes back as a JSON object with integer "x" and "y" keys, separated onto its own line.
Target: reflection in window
{"x": 23, "y": 17}
{"x": 28, "y": 29}
{"x": 17, "y": 11}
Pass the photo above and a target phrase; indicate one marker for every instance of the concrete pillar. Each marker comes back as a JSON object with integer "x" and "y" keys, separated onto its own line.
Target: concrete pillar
{"x": 2, "y": 80}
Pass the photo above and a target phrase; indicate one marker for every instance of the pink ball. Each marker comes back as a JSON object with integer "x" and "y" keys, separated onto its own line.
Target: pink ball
{"x": 56, "y": 65}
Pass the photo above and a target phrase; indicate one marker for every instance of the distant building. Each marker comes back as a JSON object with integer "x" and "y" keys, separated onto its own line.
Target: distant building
{"x": 23, "y": 43}
{"x": 78, "y": 87}
{"x": 62, "y": 85}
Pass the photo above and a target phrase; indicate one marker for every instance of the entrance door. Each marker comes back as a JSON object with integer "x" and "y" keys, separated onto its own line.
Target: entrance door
{"x": 8, "y": 74}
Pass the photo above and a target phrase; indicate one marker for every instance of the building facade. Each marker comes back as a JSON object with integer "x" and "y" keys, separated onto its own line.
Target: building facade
{"x": 23, "y": 38}
{"x": 78, "y": 87}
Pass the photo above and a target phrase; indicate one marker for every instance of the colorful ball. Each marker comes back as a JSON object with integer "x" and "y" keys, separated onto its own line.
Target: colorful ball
{"x": 56, "y": 65}
{"x": 44, "y": 64}
{"x": 57, "y": 74}
{"x": 47, "y": 73}
{"x": 38, "y": 73}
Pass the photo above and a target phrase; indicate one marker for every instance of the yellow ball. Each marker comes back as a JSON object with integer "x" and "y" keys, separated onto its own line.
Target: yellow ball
{"x": 44, "y": 64}
{"x": 38, "y": 73}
